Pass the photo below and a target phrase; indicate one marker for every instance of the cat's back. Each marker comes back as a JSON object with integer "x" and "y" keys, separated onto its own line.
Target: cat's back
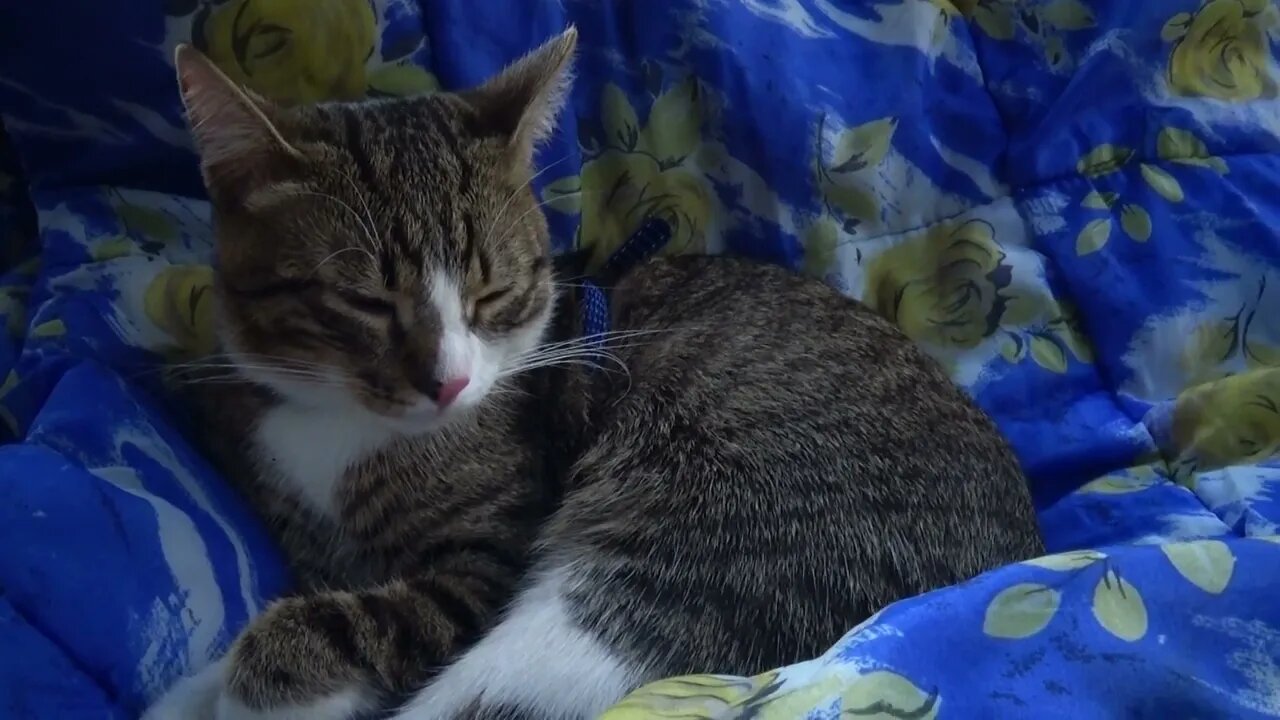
{"x": 761, "y": 339}
{"x": 792, "y": 455}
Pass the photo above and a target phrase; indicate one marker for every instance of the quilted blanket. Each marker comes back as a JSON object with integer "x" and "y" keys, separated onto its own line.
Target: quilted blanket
{"x": 1073, "y": 204}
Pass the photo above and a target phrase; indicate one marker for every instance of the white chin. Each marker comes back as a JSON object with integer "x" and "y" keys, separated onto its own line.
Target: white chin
{"x": 428, "y": 418}
{"x": 411, "y": 427}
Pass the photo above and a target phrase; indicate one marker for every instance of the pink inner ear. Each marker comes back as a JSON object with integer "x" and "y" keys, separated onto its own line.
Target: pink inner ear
{"x": 232, "y": 131}
{"x": 532, "y": 90}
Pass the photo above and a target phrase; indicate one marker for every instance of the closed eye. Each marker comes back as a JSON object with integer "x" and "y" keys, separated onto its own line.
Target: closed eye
{"x": 493, "y": 296}
{"x": 367, "y": 304}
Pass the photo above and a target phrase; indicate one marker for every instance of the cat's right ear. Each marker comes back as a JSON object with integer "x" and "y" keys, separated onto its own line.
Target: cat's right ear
{"x": 237, "y": 142}
{"x": 523, "y": 101}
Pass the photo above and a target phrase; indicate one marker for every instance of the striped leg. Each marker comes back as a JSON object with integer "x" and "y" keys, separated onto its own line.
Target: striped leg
{"x": 333, "y": 655}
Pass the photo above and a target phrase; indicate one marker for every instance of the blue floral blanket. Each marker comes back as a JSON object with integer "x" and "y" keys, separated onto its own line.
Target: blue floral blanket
{"x": 1073, "y": 204}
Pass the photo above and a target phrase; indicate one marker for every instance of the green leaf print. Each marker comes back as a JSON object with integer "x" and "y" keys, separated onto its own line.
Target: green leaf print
{"x": 1028, "y": 308}
{"x": 1076, "y": 342}
{"x": 1104, "y": 159}
{"x": 6, "y": 416}
{"x": 1093, "y": 237}
{"x": 820, "y": 243}
{"x": 675, "y": 122}
{"x": 13, "y": 306}
{"x": 1013, "y": 348}
{"x": 1099, "y": 200}
{"x": 884, "y": 694}
{"x": 10, "y": 382}
{"x": 1176, "y": 27}
{"x": 692, "y": 696}
{"x": 1162, "y": 182}
{"x": 1068, "y": 561}
{"x": 52, "y": 328}
{"x": 402, "y": 80}
{"x": 112, "y": 248}
{"x": 1180, "y": 146}
{"x": 1208, "y": 564}
{"x": 564, "y": 195}
{"x": 1118, "y": 607}
{"x": 1048, "y": 354}
{"x": 150, "y": 223}
{"x": 852, "y": 202}
{"x": 864, "y": 146}
{"x": 1067, "y": 15}
{"x": 1117, "y": 485}
{"x": 1021, "y": 611}
{"x": 1210, "y": 345}
{"x": 996, "y": 20}
{"x": 1136, "y": 222}
{"x": 621, "y": 126}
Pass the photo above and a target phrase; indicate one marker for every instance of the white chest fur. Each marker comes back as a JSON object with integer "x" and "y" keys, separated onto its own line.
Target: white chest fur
{"x": 309, "y": 451}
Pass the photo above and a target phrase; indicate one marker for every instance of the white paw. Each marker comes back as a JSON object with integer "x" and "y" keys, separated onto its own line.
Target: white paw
{"x": 202, "y": 697}
{"x": 192, "y": 698}
{"x": 343, "y": 705}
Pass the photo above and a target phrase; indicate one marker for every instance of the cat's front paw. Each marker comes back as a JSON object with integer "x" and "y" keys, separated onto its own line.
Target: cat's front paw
{"x": 283, "y": 667}
{"x": 192, "y": 698}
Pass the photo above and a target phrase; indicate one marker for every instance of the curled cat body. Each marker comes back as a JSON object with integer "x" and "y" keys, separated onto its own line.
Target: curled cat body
{"x": 489, "y": 516}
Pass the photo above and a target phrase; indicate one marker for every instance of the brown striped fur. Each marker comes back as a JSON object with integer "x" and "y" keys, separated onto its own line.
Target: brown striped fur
{"x": 775, "y": 464}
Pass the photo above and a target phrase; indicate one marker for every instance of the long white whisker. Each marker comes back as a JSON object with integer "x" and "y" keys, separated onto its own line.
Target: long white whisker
{"x": 368, "y": 231}
{"x": 577, "y": 352}
{"x": 239, "y": 373}
{"x": 539, "y": 206}
{"x": 602, "y": 337}
{"x": 582, "y": 356}
{"x": 336, "y": 253}
{"x": 368, "y": 213}
{"x": 624, "y": 333}
{"x": 515, "y": 193}
{"x": 572, "y": 361}
{"x": 240, "y": 380}
{"x": 259, "y": 357}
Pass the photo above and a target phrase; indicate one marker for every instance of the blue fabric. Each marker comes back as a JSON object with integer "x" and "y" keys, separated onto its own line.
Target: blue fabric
{"x": 595, "y": 311}
{"x": 1073, "y": 204}
{"x": 594, "y": 299}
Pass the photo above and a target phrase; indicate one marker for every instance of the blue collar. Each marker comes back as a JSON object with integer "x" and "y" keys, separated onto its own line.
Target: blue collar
{"x": 593, "y": 295}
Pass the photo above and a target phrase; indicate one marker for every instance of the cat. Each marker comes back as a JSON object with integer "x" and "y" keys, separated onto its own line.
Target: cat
{"x": 491, "y": 517}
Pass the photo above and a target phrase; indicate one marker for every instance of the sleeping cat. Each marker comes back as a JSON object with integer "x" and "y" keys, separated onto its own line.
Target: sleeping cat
{"x": 487, "y": 521}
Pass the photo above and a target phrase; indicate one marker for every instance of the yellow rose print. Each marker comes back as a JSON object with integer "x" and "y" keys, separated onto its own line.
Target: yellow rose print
{"x": 179, "y": 301}
{"x": 944, "y": 286}
{"x": 640, "y": 172}
{"x": 884, "y": 695}
{"x": 1221, "y": 51}
{"x": 292, "y": 51}
{"x": 689, "y": 697}
{"x": 693, "y": 697}
{"x": 1229, "y": 421}
{"x": 627, "y": 188}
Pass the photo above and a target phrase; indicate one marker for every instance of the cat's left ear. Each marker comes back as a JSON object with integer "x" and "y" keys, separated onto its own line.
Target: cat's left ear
{"x": 238, "y": 143}
{"x": 524, "y": 100}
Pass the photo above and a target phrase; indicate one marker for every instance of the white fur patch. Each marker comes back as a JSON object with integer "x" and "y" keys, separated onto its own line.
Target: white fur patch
{"x": 201, "y": 697}
{"x": 342, "y": 705}
{"x": 308, "y": 450}
{"x": 462, "y": 352}
{"x": 537, "y": 659}
{"x": 191, "y": 698}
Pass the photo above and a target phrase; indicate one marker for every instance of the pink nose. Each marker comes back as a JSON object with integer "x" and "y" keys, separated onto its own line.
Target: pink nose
{"x": 450, "y": 389}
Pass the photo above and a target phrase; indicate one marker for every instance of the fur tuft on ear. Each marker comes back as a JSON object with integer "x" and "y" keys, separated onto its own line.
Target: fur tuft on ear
{"x": 525, "y": 99}
{"x": 233, "y": 133}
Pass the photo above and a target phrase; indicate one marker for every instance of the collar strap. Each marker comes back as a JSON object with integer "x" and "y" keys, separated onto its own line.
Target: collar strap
{"x": 593, "y": 297}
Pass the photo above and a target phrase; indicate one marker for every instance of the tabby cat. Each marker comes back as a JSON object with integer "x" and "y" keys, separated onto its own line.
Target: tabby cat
{"x": 489, "y": 526}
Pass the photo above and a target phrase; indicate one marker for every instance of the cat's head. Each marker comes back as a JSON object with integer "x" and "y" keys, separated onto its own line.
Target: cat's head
{"x": 388, "y": 255}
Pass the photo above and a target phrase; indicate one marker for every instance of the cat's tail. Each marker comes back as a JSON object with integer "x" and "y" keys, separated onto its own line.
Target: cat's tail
{"x": 539, "y": 662}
